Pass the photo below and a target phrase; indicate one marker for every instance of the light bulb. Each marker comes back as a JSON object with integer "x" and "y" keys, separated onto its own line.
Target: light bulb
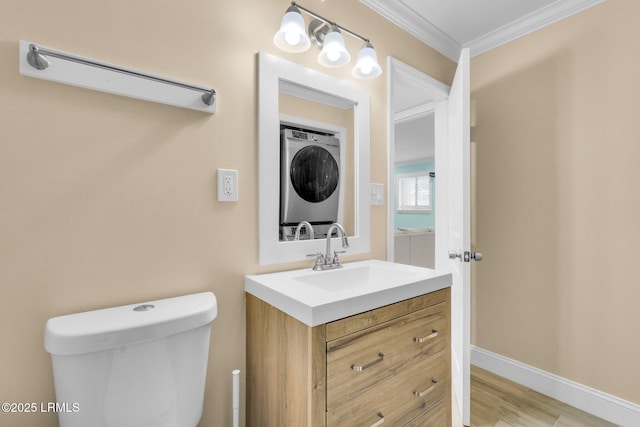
{"x": 292, "y": 36}
{"x": 366, "y": 67}
{"x": 333, "y": 54}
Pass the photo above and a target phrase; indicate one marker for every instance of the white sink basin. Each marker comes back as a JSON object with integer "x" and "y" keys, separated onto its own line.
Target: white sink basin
{"x": 317, "y": 297}
{"x": 346, "y": 279}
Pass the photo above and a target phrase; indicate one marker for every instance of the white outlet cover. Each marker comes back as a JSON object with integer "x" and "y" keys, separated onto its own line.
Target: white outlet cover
{"x": 227, "y": 185}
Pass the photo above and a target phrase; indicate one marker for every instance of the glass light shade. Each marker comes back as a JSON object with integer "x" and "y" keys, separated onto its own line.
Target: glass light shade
{"x": 334, "y": 54}
{"x": 367, "y": 66}
{"x": 292, "y": 37}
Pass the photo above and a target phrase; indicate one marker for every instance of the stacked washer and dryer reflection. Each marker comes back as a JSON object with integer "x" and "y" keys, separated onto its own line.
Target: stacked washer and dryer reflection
{"x": 309, "y": 181}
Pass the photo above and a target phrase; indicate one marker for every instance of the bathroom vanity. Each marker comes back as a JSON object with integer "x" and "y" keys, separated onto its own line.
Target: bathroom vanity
{"x": 369, "y": 355}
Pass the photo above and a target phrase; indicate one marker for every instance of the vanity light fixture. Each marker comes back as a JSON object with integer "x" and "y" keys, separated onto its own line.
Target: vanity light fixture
{"x": 325, "y": 35}
{"x": 291, "y": 37}
{"x": 334, "y": 53}
{"x": 367, "y": 66}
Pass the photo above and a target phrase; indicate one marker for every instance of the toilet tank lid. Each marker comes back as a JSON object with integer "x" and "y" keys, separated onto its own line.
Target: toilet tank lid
{"x": 114, "y": 327}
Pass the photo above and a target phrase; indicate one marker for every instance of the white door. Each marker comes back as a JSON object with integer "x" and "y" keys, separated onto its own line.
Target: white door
{"x": 454, "y": 248}
{"x": 452, "y": 208}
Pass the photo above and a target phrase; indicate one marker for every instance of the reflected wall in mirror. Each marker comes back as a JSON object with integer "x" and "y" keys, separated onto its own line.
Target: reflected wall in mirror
{"x": 323, "y": 123}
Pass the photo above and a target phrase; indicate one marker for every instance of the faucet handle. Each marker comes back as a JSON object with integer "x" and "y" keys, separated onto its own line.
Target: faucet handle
{"x": 319, "y": 260}
{"x": 336, "y": 259}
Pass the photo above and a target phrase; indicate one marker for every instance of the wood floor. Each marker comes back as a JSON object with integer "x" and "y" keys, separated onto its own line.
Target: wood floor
{"x": 497, "y": 402}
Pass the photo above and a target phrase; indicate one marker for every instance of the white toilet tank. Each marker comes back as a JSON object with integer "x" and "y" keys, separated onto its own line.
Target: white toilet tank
{"x": 140, "y": 365}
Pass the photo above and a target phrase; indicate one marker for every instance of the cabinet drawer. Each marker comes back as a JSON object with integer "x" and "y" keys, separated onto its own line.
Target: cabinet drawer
{"x": 358, "y": 322}
{"x": 399, "y": 399}
{"x": 362, "y": 361}
{"x": 435, "y": 416}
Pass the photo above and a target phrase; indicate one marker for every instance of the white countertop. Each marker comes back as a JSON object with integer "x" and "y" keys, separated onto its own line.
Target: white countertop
{"x": 317, "y": 297}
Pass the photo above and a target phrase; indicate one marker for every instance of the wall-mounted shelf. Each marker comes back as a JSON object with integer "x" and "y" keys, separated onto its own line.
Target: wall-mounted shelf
{"x": 51, "y": 64}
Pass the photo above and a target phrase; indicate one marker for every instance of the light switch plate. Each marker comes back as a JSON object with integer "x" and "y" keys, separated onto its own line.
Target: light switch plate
{"x": 227, "y": 185}
{"x": 377, "y": 194}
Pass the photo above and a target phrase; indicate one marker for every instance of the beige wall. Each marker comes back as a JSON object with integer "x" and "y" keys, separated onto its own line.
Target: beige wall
{"x": 106, "y": 200}
{"x": 558, "y": 199}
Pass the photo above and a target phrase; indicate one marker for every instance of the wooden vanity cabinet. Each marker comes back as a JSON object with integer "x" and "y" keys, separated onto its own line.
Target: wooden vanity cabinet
{"x": 385, "y": 367}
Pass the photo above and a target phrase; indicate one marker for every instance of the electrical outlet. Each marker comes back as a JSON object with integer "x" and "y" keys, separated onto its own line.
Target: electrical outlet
{"x": 227, "y": 185}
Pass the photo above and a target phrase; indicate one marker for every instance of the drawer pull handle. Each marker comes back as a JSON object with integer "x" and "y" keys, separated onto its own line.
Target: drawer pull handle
{"x": 380, "y": 421}
{"x": 433, "y": 334}
{"x": 360, "y": 368}
{"x": 427, "y": 391}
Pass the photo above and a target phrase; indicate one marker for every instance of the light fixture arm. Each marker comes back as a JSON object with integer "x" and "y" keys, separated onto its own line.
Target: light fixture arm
{"x": 331, "y": 23}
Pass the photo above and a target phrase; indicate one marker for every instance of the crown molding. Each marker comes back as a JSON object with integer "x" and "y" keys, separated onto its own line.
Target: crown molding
{"x": 410, "y": 21}
{"x": 530, "y": 23}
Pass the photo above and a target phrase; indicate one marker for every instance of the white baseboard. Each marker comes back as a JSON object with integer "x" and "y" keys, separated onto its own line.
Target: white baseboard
{"x": 600, "y": 404}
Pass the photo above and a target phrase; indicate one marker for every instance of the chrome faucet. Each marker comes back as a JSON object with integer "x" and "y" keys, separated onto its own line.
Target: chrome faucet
{"x": 345, "y": 244}
{"x": 309, "y": 230}
{"x": 326, "y": 262}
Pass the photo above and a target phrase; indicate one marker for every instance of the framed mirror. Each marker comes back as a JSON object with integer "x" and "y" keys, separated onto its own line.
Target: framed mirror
{"x": 322, "y": 108}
